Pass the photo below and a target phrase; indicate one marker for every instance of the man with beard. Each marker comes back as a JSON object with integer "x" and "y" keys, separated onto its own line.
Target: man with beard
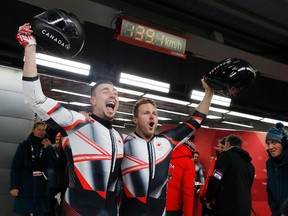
{"x": 147, "y": 156}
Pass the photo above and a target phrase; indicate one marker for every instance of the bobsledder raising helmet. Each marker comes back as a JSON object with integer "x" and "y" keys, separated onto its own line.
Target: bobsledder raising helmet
{"x": 231, "y": 77}
{"x": 59, "y": 32}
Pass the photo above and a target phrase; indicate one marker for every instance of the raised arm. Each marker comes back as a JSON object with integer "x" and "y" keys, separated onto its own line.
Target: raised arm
{"x": 204, "y": 105}
{"x": 28, "y": 41}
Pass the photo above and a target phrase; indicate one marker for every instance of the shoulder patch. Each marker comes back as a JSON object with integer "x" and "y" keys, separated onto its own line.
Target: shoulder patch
{"x": 217, "y": 174}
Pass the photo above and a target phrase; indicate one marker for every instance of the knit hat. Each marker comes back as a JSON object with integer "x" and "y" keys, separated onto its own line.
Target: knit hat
{"x": 274, "y": 134}
{"x": 277, "y": 134}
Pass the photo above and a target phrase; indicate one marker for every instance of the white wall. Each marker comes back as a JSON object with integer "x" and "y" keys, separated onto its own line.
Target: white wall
{"x": 16, "y": 120}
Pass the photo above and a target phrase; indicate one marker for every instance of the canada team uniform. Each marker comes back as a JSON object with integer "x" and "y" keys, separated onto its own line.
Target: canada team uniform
{"x": 94, "y": 153}
{"x": 145, "y": 168}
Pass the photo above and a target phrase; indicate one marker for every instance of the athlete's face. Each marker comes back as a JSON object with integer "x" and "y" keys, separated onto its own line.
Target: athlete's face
{"x": 105, "y": 101}
{"x": 275, "y": 148}
{"x": 146, "y": 121}
{"x": 39, "y": 131}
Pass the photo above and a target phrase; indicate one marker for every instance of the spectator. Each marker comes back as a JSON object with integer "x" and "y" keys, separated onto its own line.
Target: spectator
{"x": 277, "y": 168}
{"x": 94, "y": 150}
{"x": 180, "y": 191}
{"x": 147, "y": 156}
{"x": 57, "y": 177}
{"x": 199, "y": 174}
{"x": 219, "y": 148}
{"x": 28, "y": 181}
{"x": 231, "y": 182}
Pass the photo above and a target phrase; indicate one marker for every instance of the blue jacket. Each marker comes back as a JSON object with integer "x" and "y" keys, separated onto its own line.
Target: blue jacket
{"x": 277, "y": 182}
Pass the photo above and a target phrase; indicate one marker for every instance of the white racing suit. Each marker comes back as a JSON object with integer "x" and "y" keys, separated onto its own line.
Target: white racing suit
{"x": 145, "y": 168}
{"x": 94, "y": 153}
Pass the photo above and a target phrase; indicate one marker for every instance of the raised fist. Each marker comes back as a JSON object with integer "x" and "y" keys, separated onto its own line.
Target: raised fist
{"x": 24, "y": 35}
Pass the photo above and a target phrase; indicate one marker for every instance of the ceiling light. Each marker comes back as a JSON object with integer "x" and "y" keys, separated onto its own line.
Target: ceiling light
{"x": 62, "y": 64}
{"x": 219, "y": 100}
{"x": 243, "y": 115}
{"x": 157, "y": 97}
{"x": 118, "y": 126}
{"x": 71, "y": 93}
{"x": 122, "y": 119}
{"x": 123, "y": 90}
{"x": 63, "y": 102}
{"x": 213, "y": 117}
{"x": 128, "y": 91}
{"x": 237, "y": 124}
{"x": 79, "y": 104}
{"x": 124, "y": 113}
{"x": 122, "y": 99}
{"x": 273, "y": 121}
{"x": 163, "y": 118}
{"x": 144, "y": 82}
{"x": 172, "y": 112}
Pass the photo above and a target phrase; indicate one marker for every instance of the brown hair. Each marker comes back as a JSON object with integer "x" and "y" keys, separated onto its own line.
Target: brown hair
{"x": 140, "y": 102}
{"x": 36, "y": 124}
{"x": 234, "y": 140}
{"x": 99, "y": 83}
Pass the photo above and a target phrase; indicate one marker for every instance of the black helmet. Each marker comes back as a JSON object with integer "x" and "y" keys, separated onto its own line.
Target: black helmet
{"x": 231, "y": 77}
{"x": 59, "y": 32}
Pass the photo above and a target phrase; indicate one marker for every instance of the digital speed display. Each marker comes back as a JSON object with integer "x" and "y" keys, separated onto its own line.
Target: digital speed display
{"x": 145, "y": 36}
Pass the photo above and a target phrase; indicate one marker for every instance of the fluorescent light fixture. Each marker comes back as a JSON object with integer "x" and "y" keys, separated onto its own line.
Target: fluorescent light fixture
{"x": 128, "y": 91}
{"x": 157, "y": 97}
{"x": 122, "y": 99}
{"x": 164, "y": 118}
{"x": 122, "y": 119}
{"x": 71, "y": 93}
{"x": 213, "y": 117}
{"x": 214, "y": 109}
{"x": 123, "y": 90}
{"x": 118, "y": 126}
{"x": 172, "y": 112}
{"x": 62, "y": 64}
{"x": 243, "y": 115}
{"x": 273, "y": 121}
{"x": 79, "y": 104}
{"x": 219, "y": 100}
{"x": 124, "y": 113}
{"x": 63, "y": 102}
{"x": 144, "y": 82}
{"x": 237, "y": 124}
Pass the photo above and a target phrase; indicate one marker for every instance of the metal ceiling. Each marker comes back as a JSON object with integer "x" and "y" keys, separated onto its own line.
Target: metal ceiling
{"x": 257, "y": 28}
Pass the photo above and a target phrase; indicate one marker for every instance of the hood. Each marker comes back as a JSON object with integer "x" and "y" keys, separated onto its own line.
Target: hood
{"x": 181, "y": 151}
{"x": 244, "y": 154}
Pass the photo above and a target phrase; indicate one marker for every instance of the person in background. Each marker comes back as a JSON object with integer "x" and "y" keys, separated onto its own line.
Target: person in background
{"x": 219, "y": 148}
{"x": 199, "y": 173}
{"x": 147, "y": 156}
{"x": 277, "y": 167}
{"x": 230, "y": 184}
{"x": 180, "y": 189}
{"x": 93, "y": 148}
{"x": 28, "y": 181}
{"x": 57, "y": 176}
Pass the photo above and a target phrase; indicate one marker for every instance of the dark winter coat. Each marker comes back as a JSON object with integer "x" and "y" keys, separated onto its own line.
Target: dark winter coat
{"x": 33, "y": 190}
{"x": 277, "y": 182}
{"x": 230, "y": 184}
